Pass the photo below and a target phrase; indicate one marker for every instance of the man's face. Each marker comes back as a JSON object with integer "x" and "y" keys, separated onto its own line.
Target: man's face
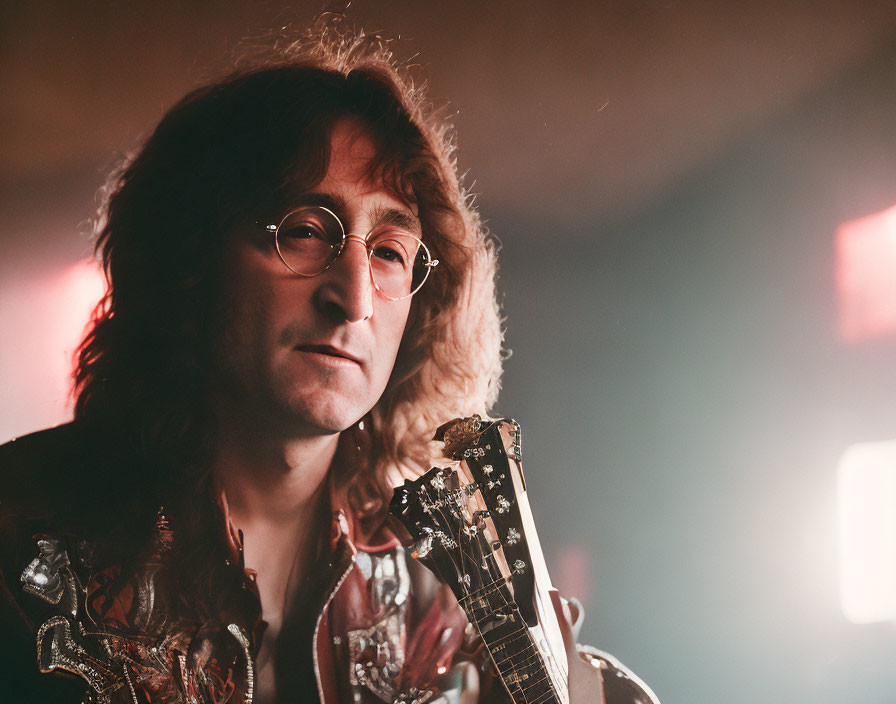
{"x": 312, "y": 355}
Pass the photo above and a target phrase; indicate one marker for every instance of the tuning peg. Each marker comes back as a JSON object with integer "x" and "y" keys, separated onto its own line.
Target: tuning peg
{"x": 401, "y": 499}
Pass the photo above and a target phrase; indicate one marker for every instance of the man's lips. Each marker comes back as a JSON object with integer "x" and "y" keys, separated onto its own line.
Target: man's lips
{"x": 329, "y": 351}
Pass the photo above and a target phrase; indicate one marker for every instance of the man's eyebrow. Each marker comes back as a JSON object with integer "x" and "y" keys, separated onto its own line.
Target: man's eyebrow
{"x": 397, "y": 218}
{"x": 381, "y": 215}
{"x": 330, "y": 201}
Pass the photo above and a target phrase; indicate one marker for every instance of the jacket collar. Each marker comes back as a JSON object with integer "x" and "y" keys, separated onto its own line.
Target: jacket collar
{"x": 370, "y": 534}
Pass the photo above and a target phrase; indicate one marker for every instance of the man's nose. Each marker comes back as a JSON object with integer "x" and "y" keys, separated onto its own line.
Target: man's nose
{"x": 347, "y": 290}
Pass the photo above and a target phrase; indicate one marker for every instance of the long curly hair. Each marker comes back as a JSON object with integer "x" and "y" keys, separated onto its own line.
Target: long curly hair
{"x": 233, "y": 148}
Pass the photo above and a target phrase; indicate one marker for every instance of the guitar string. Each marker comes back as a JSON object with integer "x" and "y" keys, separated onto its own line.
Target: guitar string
{"x": 458, "y": 569}
{"x": 521, "y": 632}
{"x": 462, "y": 568}
{"x": 529, "y": 646}
{"x": 551, "y": 697}
{"x": 509, "y": 635}
{"x": 530, "y": 660}
{"x": 491, "y": 588}
{"x": 527, "y": 656}
{"x": 533, "y": 684}
{"x": 534, "y": 656}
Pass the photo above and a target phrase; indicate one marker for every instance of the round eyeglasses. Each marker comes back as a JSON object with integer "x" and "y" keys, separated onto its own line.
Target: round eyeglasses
{"x": 310, "y": 238}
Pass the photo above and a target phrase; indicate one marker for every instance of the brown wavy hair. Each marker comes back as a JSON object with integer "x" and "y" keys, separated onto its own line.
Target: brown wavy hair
{"x": 234, "y": 148}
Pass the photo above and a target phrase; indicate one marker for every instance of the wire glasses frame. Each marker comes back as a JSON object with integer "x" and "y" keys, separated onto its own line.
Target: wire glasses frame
{"x": 310, "y": 238}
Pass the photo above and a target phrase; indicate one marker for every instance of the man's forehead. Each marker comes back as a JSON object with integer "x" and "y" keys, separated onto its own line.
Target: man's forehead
{"x": 358, "y": 170}
{"x": 357, "y": 157}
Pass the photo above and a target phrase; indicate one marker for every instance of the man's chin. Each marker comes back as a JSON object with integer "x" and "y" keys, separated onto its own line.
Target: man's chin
{"x": 323, "y": 419}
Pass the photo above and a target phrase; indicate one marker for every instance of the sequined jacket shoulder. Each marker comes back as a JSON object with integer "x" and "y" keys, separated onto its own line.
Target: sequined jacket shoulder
{"x": 380, "y": 627}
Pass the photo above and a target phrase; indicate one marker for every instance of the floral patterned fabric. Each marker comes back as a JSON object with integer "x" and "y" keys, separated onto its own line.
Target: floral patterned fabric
{"x": 374, "y": 626}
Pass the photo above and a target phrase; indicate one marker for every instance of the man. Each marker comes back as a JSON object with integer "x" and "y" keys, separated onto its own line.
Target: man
{"x": 299, "y": 294}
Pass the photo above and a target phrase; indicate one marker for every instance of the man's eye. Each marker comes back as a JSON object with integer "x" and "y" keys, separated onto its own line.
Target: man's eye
{"x": 304, "y": 232}
{"x": 297, "y": 233}
{"x": 391, "y": 252}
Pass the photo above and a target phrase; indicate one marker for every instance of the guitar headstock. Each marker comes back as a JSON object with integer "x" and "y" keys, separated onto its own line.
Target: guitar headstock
{"x": 466, "y": 522}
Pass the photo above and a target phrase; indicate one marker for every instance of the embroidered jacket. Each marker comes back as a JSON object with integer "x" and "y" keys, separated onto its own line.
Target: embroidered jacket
{"x": 373, "y": 625}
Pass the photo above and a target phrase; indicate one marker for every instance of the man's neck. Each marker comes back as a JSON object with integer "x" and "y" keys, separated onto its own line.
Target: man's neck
{"x": 272, "y": 479}
{"x": 275, "y": 488}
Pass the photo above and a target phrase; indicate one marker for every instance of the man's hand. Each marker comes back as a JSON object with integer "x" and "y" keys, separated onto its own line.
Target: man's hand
{"x": 586, "y": 684}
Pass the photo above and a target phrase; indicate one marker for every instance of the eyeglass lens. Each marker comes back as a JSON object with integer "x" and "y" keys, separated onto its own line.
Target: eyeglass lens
{"x": 309, "y": 240}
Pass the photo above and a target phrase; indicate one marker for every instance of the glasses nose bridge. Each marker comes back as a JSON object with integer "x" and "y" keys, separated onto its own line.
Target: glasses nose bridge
{"x": 309, "y": 229}
{"x": 363, "y": 242}
{"x": 341, "y": 253}
{"x": 357, "y": 238}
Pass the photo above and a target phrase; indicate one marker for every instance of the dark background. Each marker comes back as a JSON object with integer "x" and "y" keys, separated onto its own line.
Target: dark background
{"x": 666, "y": 179}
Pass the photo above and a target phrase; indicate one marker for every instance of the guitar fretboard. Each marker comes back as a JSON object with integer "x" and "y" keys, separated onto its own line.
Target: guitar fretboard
{"x": 515, "y": 655}
{"x": 470, "y": 530}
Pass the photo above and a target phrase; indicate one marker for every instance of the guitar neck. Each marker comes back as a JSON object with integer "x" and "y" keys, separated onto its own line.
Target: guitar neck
{"x": 514, "y": 653}
{"x": 474, "y": 529}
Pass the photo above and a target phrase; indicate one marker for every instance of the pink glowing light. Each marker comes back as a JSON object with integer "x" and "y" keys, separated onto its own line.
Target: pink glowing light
{"x": 73, "y": 294}
{"x": 573, "y": 569}
{"x": 43, "y": 319}
{"x": 865, "y": 256}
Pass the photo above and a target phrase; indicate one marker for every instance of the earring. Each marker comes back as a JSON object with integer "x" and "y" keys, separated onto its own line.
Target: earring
{"x": 361, "y": 437}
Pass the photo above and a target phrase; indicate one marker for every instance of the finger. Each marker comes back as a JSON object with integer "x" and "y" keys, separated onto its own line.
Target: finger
{"x": 435, "y": 641}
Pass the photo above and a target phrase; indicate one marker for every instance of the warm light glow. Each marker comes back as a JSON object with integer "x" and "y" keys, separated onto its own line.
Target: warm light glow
{"x": 865, "y": 252}
{"x": 43, "y": 319}
{"x": 866, "y": 494}
{"x": 573, "y": 571}
{"x": 74, "y": 292}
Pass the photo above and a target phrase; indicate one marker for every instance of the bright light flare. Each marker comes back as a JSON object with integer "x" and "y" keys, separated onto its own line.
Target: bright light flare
{"x": 865, "y": 254}
{"x": 866, "y": 495}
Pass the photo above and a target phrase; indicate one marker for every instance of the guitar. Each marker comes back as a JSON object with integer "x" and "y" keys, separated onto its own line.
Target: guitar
{"x": 473, "y": 528}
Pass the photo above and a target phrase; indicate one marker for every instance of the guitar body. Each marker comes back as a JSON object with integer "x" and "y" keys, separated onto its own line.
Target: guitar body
{"x": 473, "y": 527}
